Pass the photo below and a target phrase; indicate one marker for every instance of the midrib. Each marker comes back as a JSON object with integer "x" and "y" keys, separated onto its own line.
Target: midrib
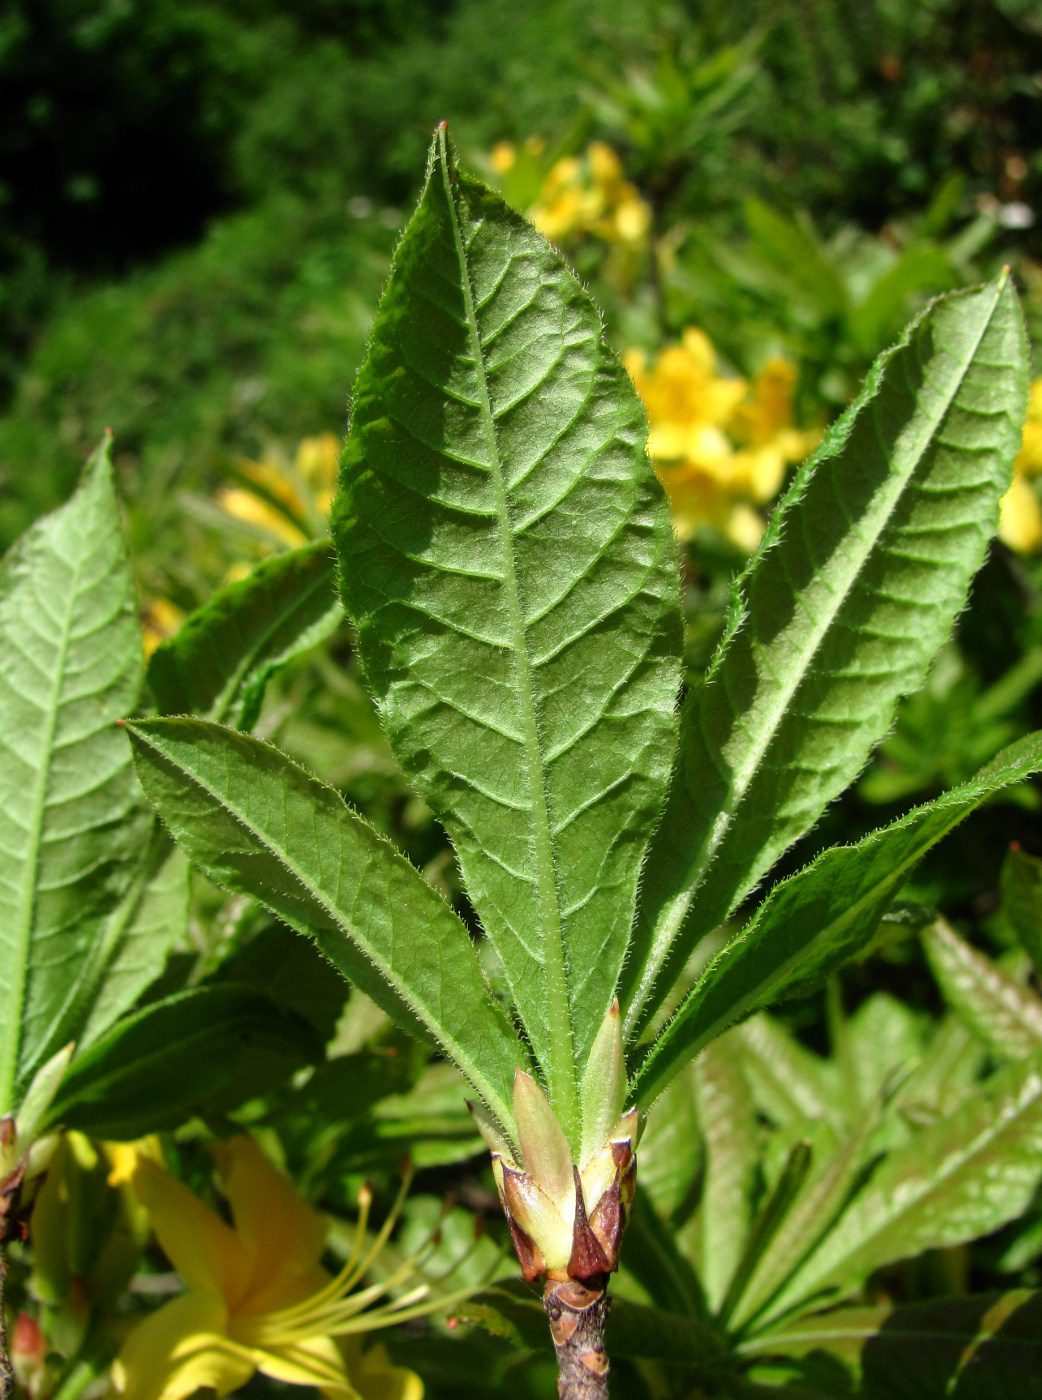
{"x": 561, "y": 1069}
{"x": 678, "y": 909}
{"x": 14, "y": 1011}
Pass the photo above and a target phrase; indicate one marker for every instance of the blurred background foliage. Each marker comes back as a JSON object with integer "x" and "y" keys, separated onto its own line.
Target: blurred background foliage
{"x": 198, "y": 204}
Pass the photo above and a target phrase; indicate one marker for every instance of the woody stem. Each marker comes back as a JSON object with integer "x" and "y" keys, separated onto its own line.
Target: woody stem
{"x": 6, "y": 1371}
{"x": 577, "y": 1313}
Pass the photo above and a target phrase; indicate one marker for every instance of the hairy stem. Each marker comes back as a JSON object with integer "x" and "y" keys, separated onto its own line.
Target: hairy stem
{"x": 577, "y": 1314}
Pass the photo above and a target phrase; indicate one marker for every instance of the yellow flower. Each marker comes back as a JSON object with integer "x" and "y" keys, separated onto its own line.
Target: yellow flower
{"x": 257, "y": 1297}
{"x": 588, "y": 195}
{"x": 286, "y": 504}
{"x": 719, "y": 444}
{"x": 1020, "y": 524}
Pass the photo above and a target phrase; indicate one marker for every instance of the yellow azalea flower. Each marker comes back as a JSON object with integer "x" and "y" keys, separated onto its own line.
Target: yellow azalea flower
{"x": 588, "y": 195}
{"x": 290, "y": 502}
{"x": 160, "y": 620}
{"x": 1020, "y": 523}
{"x": 719, "y": 444}
{"x": 257, "y": 1297}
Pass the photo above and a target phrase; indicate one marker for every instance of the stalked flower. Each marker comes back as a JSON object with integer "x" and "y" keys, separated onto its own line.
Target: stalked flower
{"x": 567, "y": 1218}
{"x": 257, "y": 1297}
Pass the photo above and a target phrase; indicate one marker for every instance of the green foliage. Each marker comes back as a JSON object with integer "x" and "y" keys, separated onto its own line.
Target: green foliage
{"x": 856, "y": 586}
{"x": 261, "y": 826}
{"x": 505, "y": 554}
{"x": 70, "y": 665}
{"x": 174, "y": 1057}
{"x": 524, "y": 663}
{"x": 220, "y": 661}
{"x": 817, "y": 919}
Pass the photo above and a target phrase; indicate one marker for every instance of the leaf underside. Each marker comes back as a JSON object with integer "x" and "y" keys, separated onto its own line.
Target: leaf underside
{"x": 506, "y": 556}
{"x": 70, "y": 665}
{"x": 259, "y": 825}
{"x": 860, "y": 576}
{"x": 818, "y": 918}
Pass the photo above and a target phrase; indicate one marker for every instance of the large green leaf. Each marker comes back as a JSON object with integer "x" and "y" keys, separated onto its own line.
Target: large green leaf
{"x": 259, "y": 825}
{"x": 856, "y": 585}
{"x": 964, "y": 1176}
{"x": 506, "y": 556}
{"x": 818, "y": 918}
{"x": 218, "y": 663}
{"x": 1001, "y": 1012}
{"x": 70, "y": 665}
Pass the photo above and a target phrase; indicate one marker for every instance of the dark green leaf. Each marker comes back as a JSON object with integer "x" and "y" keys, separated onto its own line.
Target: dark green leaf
{"x": 259, "y": 825}
{"x": 818, "y": 918}
{"x": 1021, "y": 884}
{"x": 219, "y": 662}
{"x": 859, "y": 577}
{"x": 983, "y": 1347}
{"x": 505, "y": 554}
{"x": 154, "y": 1069}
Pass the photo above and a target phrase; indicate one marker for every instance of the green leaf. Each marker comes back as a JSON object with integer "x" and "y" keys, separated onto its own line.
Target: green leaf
{"x": 964, "y": 1176}
{"x": 1021, "y": 886}
{"x": 506, "y": 556}
{"x": 982, "y": 1347}
{"x": 157, "y": 1067}
{"x": 137, "y": 937}
{"x": 855, "y": 587}
{"x": 221, "y": 659}
{"x": 812, "y": 1213}
{"x": 1002, "y": 1013}
{"x": 815, "y": 920}
{"x": 70, "y": 665}
{"x": 259, "y": 825}
{"x": 727, "y": 1118}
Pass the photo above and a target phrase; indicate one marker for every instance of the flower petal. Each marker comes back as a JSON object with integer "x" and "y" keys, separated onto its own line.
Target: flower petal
{"x": 377, "y": 1379}
{"x": 283, "y": 1237}
{"x": 180, "y": 1349}
{"x": 316, "y": 1361}
{"x": 204, "y": 1251}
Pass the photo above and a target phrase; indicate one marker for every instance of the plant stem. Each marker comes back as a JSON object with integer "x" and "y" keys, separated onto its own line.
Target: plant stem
{"x": 577, "y": 1314}
{"x": 6, "y": 1372}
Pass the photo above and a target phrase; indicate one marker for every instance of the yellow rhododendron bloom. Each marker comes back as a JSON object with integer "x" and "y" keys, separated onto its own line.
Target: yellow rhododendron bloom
{"x": 257, "y": 1297}
{"x": 589, "y": 195}
{"x": 719, "y": 444}
{"x": 1020, "y": 524}
{"x": 292, "y": 500}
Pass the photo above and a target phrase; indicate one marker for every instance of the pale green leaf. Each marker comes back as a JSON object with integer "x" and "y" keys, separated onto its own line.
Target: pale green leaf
{"x": 815, "y": 920}
{"x": 259, "y": 825}
{"x": 1001, "y": 1012}
{"x": 220, "y": 660}
{"x": 70, "y": 665}
{"x": 812, "y": 1213}
{"x": 506, "y": 556}
{"x": 860, "y": 575}
{"x": 730, "y": 1135}
{"x": 130, "y": 948}
{"x": 964, "y": 1176}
